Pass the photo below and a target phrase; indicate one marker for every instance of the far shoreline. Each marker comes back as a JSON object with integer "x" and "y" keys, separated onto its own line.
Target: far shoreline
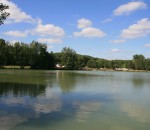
{"x": 113, "y": 70}
{"x": 83, "y": 69}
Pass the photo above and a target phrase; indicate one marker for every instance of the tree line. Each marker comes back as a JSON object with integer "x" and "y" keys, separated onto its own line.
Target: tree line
{"x": 36, "y": 56}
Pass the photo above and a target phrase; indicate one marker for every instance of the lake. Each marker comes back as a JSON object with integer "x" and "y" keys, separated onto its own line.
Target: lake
{"x": 74, "y": 100}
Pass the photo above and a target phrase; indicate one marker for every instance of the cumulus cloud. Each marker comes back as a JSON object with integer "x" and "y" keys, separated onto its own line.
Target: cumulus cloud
{"x": 115, "y": 50}
{"x": 147, "y": 45}
{"x": 107, "y": 20}
{"x": 49, "y": 30}
{"x": 20, "y": 34}
{"x": 90, "y": 32}
{"x": 49, "y": 40}
{"x": 118, "y": 41}
{"x": 83, "y": 23}
{"x": 16, "y": 14}
{"x": 129, "y": 8}
{"x": 140, "y": 29}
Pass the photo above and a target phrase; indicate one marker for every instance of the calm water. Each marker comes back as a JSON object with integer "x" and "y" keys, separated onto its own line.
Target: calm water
{"x": 74, "y": 100}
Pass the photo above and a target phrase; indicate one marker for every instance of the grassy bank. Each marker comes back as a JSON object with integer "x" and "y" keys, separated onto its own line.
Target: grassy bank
{"x": 86, "y": 69}
{"x": 16, "y": 67}
{"x": 106, "y": 69}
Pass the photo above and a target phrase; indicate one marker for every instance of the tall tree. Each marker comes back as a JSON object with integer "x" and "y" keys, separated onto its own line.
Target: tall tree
{"x": 138, "y": 61}
{"x": 40, "y": 58}
{"x": 147, "y": 64}
{"x": 69, "y": 58}
{"x": 2, "y": 52}
{"x": 3, "y": 13}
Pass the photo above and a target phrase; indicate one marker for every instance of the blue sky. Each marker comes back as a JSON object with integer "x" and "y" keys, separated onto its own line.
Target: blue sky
{"x": 111, "y": 29}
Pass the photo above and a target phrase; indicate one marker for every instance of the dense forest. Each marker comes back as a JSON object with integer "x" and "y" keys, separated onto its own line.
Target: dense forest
{"x": 36, "y": 56}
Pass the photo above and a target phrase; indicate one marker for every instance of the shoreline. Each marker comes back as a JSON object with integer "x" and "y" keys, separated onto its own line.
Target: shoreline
{"x": 83, "y": 69}
{"x": 112, "y": 70}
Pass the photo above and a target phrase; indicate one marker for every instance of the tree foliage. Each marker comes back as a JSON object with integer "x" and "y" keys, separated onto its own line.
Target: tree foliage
{"x": 69, "y": 58}
{"x": 138, "y": 61}
{"x": 3, "y": 13}
{"x": 34, "y": 54}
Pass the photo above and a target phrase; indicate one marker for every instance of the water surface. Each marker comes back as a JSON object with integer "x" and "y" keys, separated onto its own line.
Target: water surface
{"x": 74, "y": 100}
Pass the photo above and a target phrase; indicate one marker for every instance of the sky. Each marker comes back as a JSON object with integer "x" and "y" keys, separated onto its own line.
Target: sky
{"x": 110, "y": 29}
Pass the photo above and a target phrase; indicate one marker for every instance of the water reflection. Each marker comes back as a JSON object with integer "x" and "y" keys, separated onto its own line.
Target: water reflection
{"x": 85, "y": 108}
{"x": 136, "y": 111}
{"x": 63, "y": 99}
{"x": 66, "y": 80}
{"x": 138, "y": 81}
{"x": 20, "y": 89}
{"x": 21, "y": 109}
{"x": 9, "y": 121}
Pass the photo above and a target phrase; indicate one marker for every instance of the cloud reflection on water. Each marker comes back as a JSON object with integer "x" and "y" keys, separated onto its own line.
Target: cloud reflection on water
{"x": 136, "y": 111}
{"x": 84, "y": 109}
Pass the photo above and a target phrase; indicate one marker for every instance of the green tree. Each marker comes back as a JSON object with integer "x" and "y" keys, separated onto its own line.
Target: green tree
{"x": 100, "y": 63}
{"x": 69, "y": 58}
{"x": 2, "y": 52}
{"x": 138, "y": 61}
{"x": 82, "y": 61}
{"x": 17, "y": 53}
{"x": 147, "y": 64}
{"x": 3, "y": 13}
{"x": 40, "y": 58}
{"x": 92, "y": 63}
{"x": 9, "y": 54}
{"x": 38, "y": 54}
{"x": 130, "y": 65}
{"x": 111, "y": 64}
{"x": 57, "y": 57}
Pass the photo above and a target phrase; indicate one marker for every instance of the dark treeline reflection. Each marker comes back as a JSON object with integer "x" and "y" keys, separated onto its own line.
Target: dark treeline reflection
{"x": 66, "y": 81}
{"x": 20, "y": 89}
{"x": 34, "y": 83}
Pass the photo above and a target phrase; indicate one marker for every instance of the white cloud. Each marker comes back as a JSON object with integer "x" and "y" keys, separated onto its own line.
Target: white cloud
{"x": 107, "y": 20}
{"x": 83, "y": 23}
{"x": 129, "y": 8}
{"x": 49, "y": 47}
{"x": 118, "y": 41}
{"x": 90, "y": 32}
{"x": 140, "y": 29}
{"x": 42, "y": 30}
{"x": 17, "y": 33}
{"x": 115, "y": 50}
{"x": 147, "y": 45}
{"x": 16, "y": 14}
{"x": 49, "y": 40}
{"x": 49, "y": 30}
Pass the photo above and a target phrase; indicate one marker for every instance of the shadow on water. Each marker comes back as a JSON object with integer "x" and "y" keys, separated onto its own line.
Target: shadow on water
{"x": 21, "y": 89}
{"x": 140, "y": 80}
